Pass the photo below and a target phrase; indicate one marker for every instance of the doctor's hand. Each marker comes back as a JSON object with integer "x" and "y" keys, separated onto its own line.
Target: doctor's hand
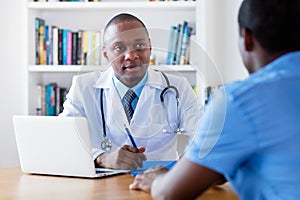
{"x": 144, "y": 181}
{"x": 125, "y": 157}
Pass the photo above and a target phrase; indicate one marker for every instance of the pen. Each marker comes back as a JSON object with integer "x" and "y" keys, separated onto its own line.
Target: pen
{"x": 130, "y": 136}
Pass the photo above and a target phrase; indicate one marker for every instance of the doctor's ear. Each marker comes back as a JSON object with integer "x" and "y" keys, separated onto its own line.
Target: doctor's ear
{"x": 104, "y": 53}
{"x": 150, "y": 45}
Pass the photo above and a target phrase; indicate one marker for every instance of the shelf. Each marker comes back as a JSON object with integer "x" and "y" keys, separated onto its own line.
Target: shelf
{"x": 64, "y": 68}
{"x": 178, "y": 68}
{"x": 83, "y": 68}
{"x": 81, "y": 16}
{"x": 175, "y": 5}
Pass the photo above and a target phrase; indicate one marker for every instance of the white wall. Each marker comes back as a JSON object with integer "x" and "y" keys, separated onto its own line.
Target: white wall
{"x": 11, "y": 82}
{"x": 234, "y": 67}
{"x": 218, "y": 35}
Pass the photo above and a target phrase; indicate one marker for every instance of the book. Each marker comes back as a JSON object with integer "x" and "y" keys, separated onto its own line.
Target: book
{"x": 93, "y": 48}
{"x": 57, "y": 100}
{"x": 43, "y": 100}
{"x": 180, "y": 40}
{"x": 153, "y": 163}
{"x": 98, "y": 48}
{"x": 49, "y": 46}
{"x": 69, "y": 47}
{"x": 63, "y": 93}
{"x": 55, "y": 45}
{"x": 47, "y": 36}
{"x": 175, "y": 41}
{"x": 84, "y": 47}
{"x": 60, "y": 97}
{"x": 184, "y": 58}
{"x": 37, "y": 40}
{"x": 89, "y": 48}
{"x": 42, "y": 53}
{"x": 64, "y": 46}
{"x": 39, "y": 100}
{"x": 74, "y": 48}
{"x": 36, "y": 30}
{"x": 79, "y": 47}
{"x": 51, "y": 99}
{"x": 59, "y": 49}
{"x": 170, "y": 53}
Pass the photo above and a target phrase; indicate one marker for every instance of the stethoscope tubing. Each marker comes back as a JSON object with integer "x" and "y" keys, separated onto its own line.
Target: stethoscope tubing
{"x": 106, "y": 143}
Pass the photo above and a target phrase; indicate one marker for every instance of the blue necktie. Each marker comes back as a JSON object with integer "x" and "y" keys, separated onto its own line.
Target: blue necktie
{"x": 126, "y": 101}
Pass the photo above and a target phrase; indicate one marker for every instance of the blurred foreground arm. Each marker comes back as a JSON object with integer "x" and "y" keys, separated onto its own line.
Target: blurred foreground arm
{"x": 186, "y": 180}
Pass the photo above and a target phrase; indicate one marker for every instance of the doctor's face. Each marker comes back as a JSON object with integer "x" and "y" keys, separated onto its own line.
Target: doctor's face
{"x": 127, "y": 48}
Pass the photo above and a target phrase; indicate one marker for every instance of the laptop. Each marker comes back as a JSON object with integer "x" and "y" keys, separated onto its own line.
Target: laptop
{"x": 61, "y": 146}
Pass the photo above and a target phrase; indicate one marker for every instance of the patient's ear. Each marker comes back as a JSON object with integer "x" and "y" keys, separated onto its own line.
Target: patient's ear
{"x": 248, "y": 39}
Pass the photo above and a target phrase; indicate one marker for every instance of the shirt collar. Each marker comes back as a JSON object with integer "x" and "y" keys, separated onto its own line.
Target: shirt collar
{"x": 122, "y": 89}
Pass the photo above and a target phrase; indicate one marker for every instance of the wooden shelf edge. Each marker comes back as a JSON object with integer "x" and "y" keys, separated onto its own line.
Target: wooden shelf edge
{"x": 64, "y": 68}
{"x": 83, "y": 68}
{"x": 177, "y": 68}
{"x": 112, "y": 5}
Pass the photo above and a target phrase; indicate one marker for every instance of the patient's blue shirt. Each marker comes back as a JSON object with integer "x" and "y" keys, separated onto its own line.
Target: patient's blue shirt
{"x": 250, "y": 132}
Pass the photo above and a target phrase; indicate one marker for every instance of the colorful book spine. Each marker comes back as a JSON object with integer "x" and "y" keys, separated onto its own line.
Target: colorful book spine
{"x": 89, "y": 48}
{"x": 184, "y": 46}
{"x": 39, "y": 100}
{"x": 60, "y": 47}
{"x": 43, "y": 100}
{"x": 51, "y": 99}
{"x": 42, "y": 57}
{"x": 57, "y": 100}
{"x": 180, "y": 38}
{"x": 84, "y": 47}
{"x": 47, "y": 44}
{"x": 98, "y": 48}
{"x": 69, "y": 47}
{"x": 93, "y": 48}
{"x": 50, "y": 46}
{"x": 188, "y": 48}
{"x": 55, "y": 45}
{"x": 40, "y": 41}
{"x": 170, "y": 52}
{"x": 63, "y": 93}
{"x": 64, "y": 46}
{"x": 74, "y": 48}
{"x": 175, "y": 41}
{"x": 79, "y": 47}
{"x": 37, "y": 41}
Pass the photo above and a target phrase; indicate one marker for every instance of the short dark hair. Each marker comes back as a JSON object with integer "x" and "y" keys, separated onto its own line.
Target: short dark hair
{"x": 122, "y": 17}
{"x": 274, "y": 23}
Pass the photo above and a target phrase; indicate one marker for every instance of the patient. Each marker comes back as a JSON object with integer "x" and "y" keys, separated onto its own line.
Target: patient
{"x": 249, "y": 133}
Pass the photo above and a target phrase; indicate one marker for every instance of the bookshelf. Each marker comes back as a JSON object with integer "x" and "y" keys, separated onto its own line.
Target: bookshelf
{"x": 93, "y": 16}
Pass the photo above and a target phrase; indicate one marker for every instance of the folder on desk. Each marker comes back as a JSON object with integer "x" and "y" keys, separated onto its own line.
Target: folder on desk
{"x": 150, "y": 164}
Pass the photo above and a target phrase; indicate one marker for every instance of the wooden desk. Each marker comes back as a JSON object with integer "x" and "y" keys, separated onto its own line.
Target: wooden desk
{"x": 16, "y": 185}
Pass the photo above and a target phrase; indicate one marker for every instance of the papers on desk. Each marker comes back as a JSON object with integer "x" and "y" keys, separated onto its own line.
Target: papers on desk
{"x": 149, "y": 164}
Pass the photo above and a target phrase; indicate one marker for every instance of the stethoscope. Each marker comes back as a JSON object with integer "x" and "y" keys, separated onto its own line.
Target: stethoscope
{"x": 106, "y": 144}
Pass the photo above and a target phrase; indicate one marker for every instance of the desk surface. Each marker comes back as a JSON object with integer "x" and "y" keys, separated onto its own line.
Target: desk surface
{"x": 16, "y": 185}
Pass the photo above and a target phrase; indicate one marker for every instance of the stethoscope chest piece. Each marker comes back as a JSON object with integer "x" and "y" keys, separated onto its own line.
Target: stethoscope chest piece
{"x": 106, "y": 144}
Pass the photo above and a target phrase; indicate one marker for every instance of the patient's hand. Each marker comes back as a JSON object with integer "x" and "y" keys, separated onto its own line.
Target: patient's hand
{"x": 144, "y": 181}
{"x": 126, "y": 157}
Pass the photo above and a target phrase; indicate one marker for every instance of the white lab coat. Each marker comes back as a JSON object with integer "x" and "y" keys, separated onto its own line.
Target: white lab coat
{"x": 149, "y": 122}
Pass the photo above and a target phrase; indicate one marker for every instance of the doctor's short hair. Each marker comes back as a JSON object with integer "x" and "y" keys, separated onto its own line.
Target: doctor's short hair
{"x": 274, "y": 23}
{"x": 122, "y": 17}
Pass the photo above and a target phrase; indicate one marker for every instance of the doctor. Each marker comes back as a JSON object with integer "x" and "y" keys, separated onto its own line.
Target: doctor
{"x": 158, "y": 105}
